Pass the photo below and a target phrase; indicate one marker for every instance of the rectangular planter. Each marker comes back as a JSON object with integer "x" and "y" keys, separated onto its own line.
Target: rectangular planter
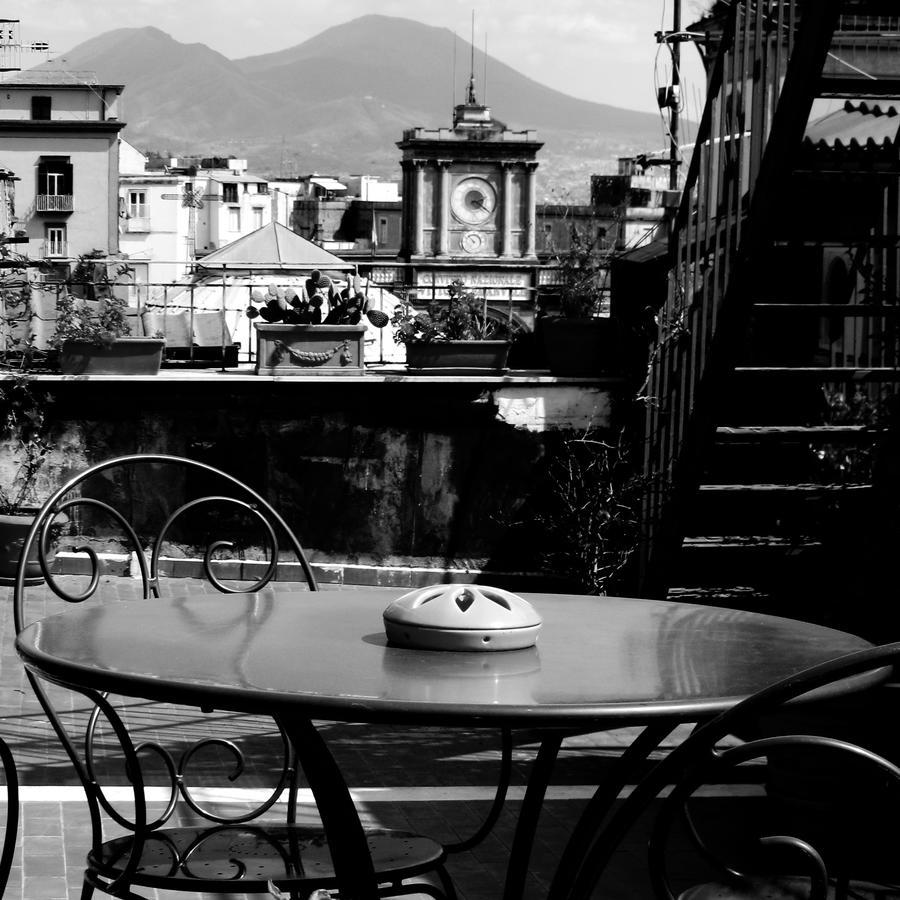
{"x": 459, "y": 357}
{"x": 309, "y": 349}
{"x": 121, "y": 356}
{"x": 577, "y": 348}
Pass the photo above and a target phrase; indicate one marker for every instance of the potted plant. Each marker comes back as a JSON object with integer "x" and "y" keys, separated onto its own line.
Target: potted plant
{"x": 578, "y": 340}
{"x": 92, "y": 332}
{"x": 313, "y": 329}
{"x": 25, "y": 439}
{"x": 455, "y": 334}
{"x": 24, "y": 436}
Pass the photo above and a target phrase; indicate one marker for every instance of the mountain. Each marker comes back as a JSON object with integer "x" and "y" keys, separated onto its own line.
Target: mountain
{"x": 340, "y": 101}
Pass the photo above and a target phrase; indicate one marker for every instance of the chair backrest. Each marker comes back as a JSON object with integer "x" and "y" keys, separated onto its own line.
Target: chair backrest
{"x": 793, "y": 726}
{"x": 11, "y": 825}
{"x": 161, "y": 514}
{"x": 146, "y": 506}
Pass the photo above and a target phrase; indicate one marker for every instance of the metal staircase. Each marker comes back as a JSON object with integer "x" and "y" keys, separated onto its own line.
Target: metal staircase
{"x": 770, "y": 420}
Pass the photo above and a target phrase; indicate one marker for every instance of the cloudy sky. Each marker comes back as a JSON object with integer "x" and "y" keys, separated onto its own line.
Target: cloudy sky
{"x": 602, "y": 50}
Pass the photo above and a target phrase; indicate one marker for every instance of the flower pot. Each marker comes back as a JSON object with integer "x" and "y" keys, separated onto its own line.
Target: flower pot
{"x": 309, "y": 349}
{"x": 457, "y": 357}
{"x": 581, "y": 347}
{"x": 121, "y": 356}
{"x": 13, "y": 531}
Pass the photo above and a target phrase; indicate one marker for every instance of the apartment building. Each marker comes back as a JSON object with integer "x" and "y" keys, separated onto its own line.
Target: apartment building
{"x": 156, "y": 219}
{"x": 59, "y": 135}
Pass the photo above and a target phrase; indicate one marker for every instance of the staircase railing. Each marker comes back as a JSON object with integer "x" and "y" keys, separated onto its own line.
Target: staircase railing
{"x": 759, "y": 96}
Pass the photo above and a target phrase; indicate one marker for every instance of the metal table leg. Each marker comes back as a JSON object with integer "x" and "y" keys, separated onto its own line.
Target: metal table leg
{"x": 346, "y": 838}
{"x": 523, "y": 841}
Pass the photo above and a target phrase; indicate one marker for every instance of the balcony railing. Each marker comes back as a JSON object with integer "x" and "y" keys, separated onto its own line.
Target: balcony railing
{"x": 137, "y": 224}
{"x": 53, "y": 203}
{"x": 53, "y": 249}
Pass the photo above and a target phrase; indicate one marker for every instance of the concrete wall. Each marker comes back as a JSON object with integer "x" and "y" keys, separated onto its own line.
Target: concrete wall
{"x": 380, "y": 474}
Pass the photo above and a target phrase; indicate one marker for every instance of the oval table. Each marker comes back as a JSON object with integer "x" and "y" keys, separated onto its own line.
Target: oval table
{"x": 600, "y": 663}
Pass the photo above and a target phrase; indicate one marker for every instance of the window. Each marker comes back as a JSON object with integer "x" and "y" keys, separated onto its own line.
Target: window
{"x": 56, "y": 240}
{"x": 262, "y": 188}
{"x": 54, "y": 176}
{"x": 40, "y": 108}
{"x": 230, "y": 193}
{"x": 257, "y": 217}
{"x": 234, "y": 219}
{"x": 382, "y": 230}
{"x": 54, "y": 185}
{"x": 137, "y": 204}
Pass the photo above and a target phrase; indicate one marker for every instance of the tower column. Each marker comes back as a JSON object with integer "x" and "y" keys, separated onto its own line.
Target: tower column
{"x": 530, "y": 211}
{"x": 443, "y": 248}
{"x": 419, "y": 206}
{"x": 506, "y": 248}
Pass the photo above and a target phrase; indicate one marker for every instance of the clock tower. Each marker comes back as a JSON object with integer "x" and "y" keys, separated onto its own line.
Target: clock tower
{"x": 468, "y": 191}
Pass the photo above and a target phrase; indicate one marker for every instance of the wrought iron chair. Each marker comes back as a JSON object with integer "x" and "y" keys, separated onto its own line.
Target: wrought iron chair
{"x": 172, "y": 837}
{"x": 781, "y": 855}
{"x": 12, "y": 814}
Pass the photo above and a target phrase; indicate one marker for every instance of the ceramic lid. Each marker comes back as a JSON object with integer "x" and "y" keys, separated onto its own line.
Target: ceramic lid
{"x": 462, "y": 616}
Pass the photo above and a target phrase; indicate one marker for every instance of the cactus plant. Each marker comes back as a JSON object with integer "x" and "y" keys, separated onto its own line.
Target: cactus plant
{"x": 317, "y": 302}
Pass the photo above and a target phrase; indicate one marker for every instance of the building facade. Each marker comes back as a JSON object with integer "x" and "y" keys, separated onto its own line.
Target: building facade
{"x": 154, "y": 220}
{"x": 61, "y": 141}
{"x": 470, "y": 189}
{"x": 171, "y": 216}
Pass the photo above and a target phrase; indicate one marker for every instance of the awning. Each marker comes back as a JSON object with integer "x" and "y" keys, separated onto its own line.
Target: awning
{"x": 272, "y": 247}
{"x": 330, "y": 184}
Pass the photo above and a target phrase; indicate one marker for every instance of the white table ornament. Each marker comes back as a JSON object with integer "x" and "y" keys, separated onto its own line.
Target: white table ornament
{"x": 461, "y": 617}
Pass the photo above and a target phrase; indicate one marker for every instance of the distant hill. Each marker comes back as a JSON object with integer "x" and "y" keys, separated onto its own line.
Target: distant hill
{"x": 339, "y": 102}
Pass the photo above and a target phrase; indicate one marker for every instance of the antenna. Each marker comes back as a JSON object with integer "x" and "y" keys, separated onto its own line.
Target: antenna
{"x": 484, "y": 76}
{"x": 455, "y": 42}
{"x": 11, "y": 47}
{"x": 470, "y": 94}
{"x": 472, "y": 46}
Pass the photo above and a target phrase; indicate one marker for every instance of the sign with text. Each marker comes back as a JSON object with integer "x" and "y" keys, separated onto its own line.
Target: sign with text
{"x": 503, "y": 286}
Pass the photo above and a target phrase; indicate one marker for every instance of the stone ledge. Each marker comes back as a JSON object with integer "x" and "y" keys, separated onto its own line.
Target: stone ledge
{"x": 326, "y": 572}
{"x": 375, "y": 375}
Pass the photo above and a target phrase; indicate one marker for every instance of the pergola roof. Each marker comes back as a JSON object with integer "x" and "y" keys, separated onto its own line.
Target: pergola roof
{"x": 272, "y": 248}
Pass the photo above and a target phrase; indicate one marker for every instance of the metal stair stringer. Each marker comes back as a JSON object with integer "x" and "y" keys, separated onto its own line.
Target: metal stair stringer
{"x": 748, "y": 136}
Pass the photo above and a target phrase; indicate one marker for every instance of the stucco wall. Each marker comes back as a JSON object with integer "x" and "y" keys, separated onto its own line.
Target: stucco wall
{"x": 415, "y": 474}
{"x": 88, "y": 226}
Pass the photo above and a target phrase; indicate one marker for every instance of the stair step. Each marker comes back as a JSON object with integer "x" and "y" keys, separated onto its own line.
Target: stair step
{"x": 763, "y": 561}
{"x": 728, "y": 433}
{"x": 826, "y": 373}
{"x": 736, "y": 596}
{"x": 808, "y": 488}
{"x": 707, "y": 542}
{"x": 856, "y": 87}
{"x": 846, "y": 310}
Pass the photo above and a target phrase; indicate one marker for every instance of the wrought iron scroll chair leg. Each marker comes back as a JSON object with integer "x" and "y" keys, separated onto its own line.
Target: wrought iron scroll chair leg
{"x": 503, "y": 780}
{"x": 674, "y": 779}
{"x": 12, "y": 813}
{"x": 446, "y": 892}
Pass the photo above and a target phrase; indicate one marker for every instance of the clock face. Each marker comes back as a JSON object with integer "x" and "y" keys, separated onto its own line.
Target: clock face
{"x": 472, "y": 241}
{"x": 473, "y": 201}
